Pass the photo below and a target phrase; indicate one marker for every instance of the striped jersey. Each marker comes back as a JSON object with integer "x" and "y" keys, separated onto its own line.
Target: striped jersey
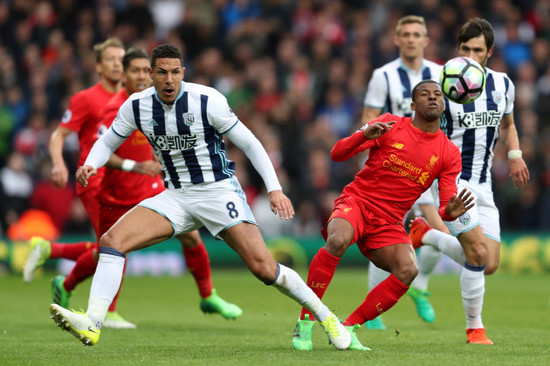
{"x": 187, "y": 136}
{"x": 391, "y": 85}
{"x": 474, "y": 127}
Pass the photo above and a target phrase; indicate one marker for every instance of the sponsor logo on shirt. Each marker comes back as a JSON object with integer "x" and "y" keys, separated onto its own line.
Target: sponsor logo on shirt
{"x": 173, "y": 142}
{"x": 406, "y": 169}
{"x": 478, "y": 119}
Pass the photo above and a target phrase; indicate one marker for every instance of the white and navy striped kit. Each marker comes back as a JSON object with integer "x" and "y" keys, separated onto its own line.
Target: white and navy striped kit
{"x": 474, "y": 127}
{"x": 391, "y": 85}
{"x": 187, "y": 136}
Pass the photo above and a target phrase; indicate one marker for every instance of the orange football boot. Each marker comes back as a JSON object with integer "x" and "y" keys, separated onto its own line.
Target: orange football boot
{"x": 477, "y": 336}
{"x": 419, "y": 227}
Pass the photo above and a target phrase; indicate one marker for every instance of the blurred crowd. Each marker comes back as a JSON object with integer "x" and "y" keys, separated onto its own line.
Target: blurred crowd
{"x": 295, "y": 72}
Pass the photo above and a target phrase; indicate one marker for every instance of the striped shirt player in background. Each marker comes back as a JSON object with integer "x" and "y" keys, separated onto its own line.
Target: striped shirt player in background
{"x": 475, "y": 128}
{"x": 389, "y": 90}
{"x": 185, "y": 123}
{"x": 131, "y": 175}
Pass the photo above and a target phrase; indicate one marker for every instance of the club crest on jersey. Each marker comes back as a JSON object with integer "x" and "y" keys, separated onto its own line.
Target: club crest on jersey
{"x": 497, "y": 96}
{"x": 433, "y": 160}
{"x": 465, "y": 219}
{"x": 188, "y": 118}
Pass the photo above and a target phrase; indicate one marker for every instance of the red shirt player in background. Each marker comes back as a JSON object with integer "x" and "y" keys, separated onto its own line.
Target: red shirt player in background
{"x": 406, "y": 156}
{"x": 132, "y": 176}
{"x": 83, "y": 116}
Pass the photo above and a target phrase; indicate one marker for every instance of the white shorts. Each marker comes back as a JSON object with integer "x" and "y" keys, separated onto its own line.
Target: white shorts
{"x": 217, "y": 206}
{"x": 484, "y": 213}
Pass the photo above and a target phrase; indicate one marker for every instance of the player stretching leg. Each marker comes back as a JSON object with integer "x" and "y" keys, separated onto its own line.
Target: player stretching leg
{"x": 475, "y": 243}
{"x": 389, "y": 90}
{"x": 202, "y": 191}
{"x": 406, "y": 156}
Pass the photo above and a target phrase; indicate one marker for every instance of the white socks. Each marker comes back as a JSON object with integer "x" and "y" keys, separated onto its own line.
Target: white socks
{"x": 292, "y": 285}
{"x": 376, "y": 275}
{"x": 105, "y": 284}
{"x": 428, "y": 257}
{"x": 472, "y": 283}
{"x": 446, "y": 243}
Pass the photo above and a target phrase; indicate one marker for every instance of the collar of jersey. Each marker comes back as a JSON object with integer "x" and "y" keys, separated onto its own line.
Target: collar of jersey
{"x": 179, "y": 95}
{"x": 409, "y": 70}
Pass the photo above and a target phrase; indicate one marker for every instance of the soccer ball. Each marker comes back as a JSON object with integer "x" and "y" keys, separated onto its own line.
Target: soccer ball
{"x": 462, "y": 80}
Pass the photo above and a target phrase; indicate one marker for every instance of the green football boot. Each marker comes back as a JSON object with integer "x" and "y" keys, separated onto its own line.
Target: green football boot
{"x": 116, "y": 321}
{"x": 40, "y": 250}
{"x": 60, "y": 295}
{"x": 355, "y": 344}
{"x": 423, "y": 307}
{"x": 215, "y": 304}
{"x": 301, "y": 340}
{"x": 375, "y": 324}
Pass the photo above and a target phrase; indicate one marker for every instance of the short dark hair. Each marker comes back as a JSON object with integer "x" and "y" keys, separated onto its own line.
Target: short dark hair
{"x": 165, "y": 51}
{"x": 476, "y": 27}
{"x": 415, "y": 89}
{"x": 131, "y": 54}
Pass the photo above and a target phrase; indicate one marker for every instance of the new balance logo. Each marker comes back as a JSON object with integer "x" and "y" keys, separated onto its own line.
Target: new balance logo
{"x": 153, "y": 123}
{"x": 398, "y": 145}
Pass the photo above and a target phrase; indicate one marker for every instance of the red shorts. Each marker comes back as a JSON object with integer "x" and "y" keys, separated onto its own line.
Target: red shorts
{"x": 91, "y": 205}
{"x": 371, "y": 231}
{"x": 109, "y": 215}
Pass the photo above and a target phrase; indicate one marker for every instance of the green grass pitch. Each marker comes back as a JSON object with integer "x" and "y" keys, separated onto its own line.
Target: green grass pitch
{"x": 173, "y": 331}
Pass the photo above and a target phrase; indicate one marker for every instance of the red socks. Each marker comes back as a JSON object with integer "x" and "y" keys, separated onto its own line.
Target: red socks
{"x": 321, "y": 271}
{"x": 198, "y": 263}
{"x": 84, "y": 268}
{"x": 72, "y": 250}
{"x": 380, "y": 299}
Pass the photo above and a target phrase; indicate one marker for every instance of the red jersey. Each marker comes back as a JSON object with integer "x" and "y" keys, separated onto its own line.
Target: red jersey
{"x": 402, "y": 164}
{"x": 83, "y": 116}
{"x": 120, "y": 188}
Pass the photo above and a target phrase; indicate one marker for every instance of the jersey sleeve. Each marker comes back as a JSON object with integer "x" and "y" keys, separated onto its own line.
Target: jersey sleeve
{"x": 124, "y": 123}
{"x": 220, "y": 115}
{"x": 448, "y": 179}
{"x": 76, "y": 114}
{"x": 510, "y": 96}
{"x": 377, "y": 91}
{"x": 352, "y": 145}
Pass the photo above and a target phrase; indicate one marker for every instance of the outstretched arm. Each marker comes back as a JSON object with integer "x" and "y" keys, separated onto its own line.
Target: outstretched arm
{"x": 361, "y": 140}
{"x": 245, "y": 140}
{"x": 99, "y": 155}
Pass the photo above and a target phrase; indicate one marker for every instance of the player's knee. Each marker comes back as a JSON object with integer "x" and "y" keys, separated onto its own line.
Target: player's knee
{"x": 262, "y": 271}
{"x": 336, "y": 245}
{"x": 407, "y": 273}
{"x": 109, "y": 241}
{"x": 478, "y": 254}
